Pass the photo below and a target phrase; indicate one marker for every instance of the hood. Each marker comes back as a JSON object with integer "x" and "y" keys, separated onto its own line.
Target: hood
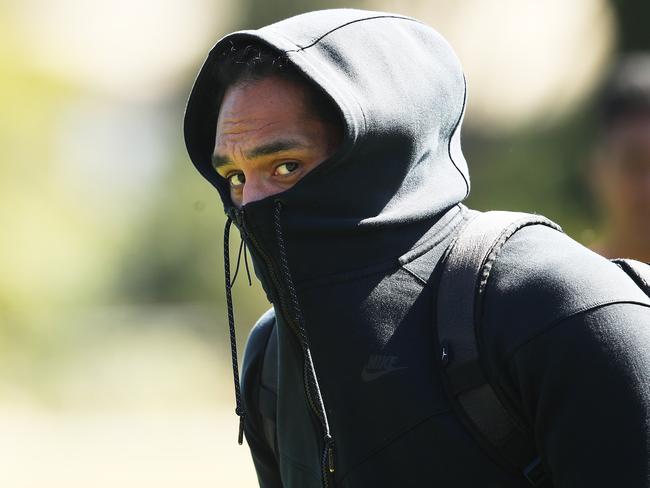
{"x": 401, "y": 94}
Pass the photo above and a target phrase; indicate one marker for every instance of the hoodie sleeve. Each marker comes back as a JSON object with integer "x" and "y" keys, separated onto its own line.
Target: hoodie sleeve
{"x": 566, "y": 337}
{"x": 585, "y": 383}
{"x": 253, "y": 389}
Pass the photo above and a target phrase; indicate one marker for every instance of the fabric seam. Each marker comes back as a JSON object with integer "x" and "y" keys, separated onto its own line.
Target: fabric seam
{"x": 322, "y": 36}
{"x": 553, "y": 325}
{"x": 395, "y": 439}
{"x": 453, "y": 131}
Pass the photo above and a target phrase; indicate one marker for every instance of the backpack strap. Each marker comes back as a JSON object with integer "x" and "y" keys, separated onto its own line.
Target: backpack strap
{"x": 465, "y": 272}
{"x": 638, "y": 271}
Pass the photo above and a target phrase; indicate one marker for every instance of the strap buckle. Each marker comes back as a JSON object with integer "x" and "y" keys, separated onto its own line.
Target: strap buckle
{"x": 535, "y": 472}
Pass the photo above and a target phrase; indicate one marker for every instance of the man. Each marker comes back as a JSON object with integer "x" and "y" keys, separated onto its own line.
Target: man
{"x": 333, "y": 139}
{"x": 620, "y": 171}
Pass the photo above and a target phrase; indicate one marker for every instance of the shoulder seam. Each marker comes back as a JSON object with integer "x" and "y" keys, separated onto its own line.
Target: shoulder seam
{"x": 552, "y": 325}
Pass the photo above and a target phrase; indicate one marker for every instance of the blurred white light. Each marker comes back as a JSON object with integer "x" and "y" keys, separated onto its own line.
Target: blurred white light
{"x": 525, "y": 60}
{"x": 130, "y": 48}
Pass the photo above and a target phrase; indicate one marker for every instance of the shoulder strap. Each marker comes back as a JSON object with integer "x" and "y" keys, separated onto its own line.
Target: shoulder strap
{"x": 260, "y": 377}
{"x": 638, "y": 271}
{"x": 466, "y": 269}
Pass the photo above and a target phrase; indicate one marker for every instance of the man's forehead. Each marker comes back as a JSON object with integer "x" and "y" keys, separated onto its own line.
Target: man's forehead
{"x": 259, "y": 106}
{"x": 239, "y": 127}
{"x": 242, "y": 134}
{"x": 272, "y": 94}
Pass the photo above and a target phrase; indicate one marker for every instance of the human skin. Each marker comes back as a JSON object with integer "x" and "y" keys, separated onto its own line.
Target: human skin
{"x": 622, "y": 185}
{"x": 269, "y": 137}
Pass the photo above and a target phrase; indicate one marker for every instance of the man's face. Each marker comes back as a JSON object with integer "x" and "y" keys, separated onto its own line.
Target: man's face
{"x": 623, "y": 174}
{"x": 268, "y": 138}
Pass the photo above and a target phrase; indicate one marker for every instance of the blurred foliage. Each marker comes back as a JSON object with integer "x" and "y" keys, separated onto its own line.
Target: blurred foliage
{"x": 541, "y": 170}
{"x": 70, "y": 254}
{"x": 36, "y": 221}
{"x": 633, "y": 16}
{"x": 176, "y": 252}
{"x": 257, "y": 14}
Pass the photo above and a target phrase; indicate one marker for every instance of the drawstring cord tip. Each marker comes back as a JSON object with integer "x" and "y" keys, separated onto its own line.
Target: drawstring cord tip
{"x": 240, "y": 436}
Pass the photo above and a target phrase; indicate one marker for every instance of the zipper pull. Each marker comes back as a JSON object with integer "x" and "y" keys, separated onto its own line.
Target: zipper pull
{"x": 237, "y": 217}
{"x": 330, "y": 459}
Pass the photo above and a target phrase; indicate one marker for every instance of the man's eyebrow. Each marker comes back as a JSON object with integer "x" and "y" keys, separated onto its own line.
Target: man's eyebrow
{"x": 219, "y": 160}
{"x": 273, "y": 147}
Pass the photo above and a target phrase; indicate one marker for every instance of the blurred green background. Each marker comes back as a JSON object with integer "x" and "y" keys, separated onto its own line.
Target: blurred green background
{"x": 114, "y": 367}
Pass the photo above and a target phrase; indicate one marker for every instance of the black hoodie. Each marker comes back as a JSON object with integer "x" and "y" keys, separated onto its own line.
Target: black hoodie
{"x": 347, "y": 257}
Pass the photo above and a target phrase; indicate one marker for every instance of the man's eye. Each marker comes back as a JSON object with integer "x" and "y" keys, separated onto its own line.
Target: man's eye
{"x": 286, "y": 168}
{"x": 236, "y": 180}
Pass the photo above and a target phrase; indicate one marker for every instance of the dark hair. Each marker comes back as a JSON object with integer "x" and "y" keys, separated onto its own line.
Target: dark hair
{"x": 247, "y": 61}
{"x": 626, "y": 93}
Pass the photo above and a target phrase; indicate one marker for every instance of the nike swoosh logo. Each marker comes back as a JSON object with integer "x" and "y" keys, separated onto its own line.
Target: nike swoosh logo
{"x": 373, "y": 374}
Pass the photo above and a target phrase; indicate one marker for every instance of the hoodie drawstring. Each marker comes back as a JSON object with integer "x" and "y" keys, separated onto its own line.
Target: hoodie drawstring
{"x": 242, "y": 247}
{"x": 231, "y": 325}
{"x": 309, "y": 371}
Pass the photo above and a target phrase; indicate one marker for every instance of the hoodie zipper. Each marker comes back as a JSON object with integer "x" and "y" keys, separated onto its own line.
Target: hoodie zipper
{"x": 327, "y": 463}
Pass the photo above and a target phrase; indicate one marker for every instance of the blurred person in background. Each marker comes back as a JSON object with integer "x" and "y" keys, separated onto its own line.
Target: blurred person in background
{"x": 333, "y": 140}
{"x": 620, "y": 169}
